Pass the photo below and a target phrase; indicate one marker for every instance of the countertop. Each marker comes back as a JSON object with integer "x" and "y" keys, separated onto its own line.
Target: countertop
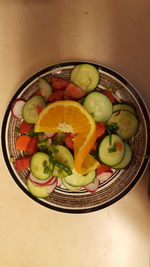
{"x": 34, "y": 35}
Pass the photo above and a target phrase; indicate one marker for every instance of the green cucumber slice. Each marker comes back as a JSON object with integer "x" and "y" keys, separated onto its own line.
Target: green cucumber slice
{"x": 126, "y": 159}
{"x": 77, "y": 179}
{"x": 99, "y": 106}
{"x": 85, "y": 76}
{"x": 40, "y": 166}
{"x": 109, "y": 153}
{"x": 126, "y": 121}
{"x": 37, "y": 191}
{"x": 69, "y": 187}
{"x": 123, "y": 106}
{"x": 64, "y": 156}
{"x": 45, "y": 88}
{"x": 30, "y": 108}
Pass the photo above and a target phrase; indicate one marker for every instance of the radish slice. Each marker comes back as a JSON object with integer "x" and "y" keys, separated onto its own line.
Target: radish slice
{"x": 49, "y": 135}
{"x": 52, "y": 187}
{"x": 93, "y": 186}
{"x": 17, "y": 107}
{"x": 59, "y": 182}
{"x": 104, "y": 176}
{"x": 46, "y": 182}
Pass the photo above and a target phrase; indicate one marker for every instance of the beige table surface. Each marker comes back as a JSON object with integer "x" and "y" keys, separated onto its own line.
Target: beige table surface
{"x": 33, "y": 35}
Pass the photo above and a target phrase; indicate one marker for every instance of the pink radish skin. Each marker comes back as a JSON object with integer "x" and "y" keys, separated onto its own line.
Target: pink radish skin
{"x": 52, "y": 187}
{"x": 46, "y": 182}
{"x": 104, "y": 176}
{"x": 49, "y": 135}
{"x": 59, "y": 182}
{"x": 17, "y": 107}
{"x": 93, "y": 186}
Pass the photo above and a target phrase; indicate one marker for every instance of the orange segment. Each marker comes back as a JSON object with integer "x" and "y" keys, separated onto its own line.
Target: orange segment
{"x": 70, "y": 116}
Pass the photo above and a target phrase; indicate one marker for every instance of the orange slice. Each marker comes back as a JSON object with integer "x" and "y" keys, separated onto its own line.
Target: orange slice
{"x": 70, "y": 116}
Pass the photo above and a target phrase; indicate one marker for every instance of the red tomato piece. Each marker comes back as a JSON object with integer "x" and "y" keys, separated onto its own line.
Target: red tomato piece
{"x": 22, "y": 164}
{"x": 100, "y": 129}
{"x": 102, "y": 168}
{"x": 56, "y": 96}
{"x": 39, "y": 108}
{"x": 110, "y": 96}
{"x": 58, "y": 83}
{"x": 74, "y": 92}
{"x": 119, "y": 145}
{"x": 69, "y": 140}
{"x": 38, "y": 92}
{"x": 25, "y": 127}
{"x": 32, "y": 146}
{"x": 94, "y": 147}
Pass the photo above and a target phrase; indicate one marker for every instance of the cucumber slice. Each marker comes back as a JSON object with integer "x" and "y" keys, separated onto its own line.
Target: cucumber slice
{"x": 85, "y": 76}
{"x": 64, "y": 156}
{"x": 77, "y": 179}
{"x": 109, "y": 151}
{"x": 99, "y": 106}
{"x": 126, "y": 121}
{"x": 37, "y": 191}
{"x": 45, "y": 88}
{"x": 30, "y": 108}
{"x": 69, "y": 187}
{"x": 40, "y": 166}
{"x": 126, "y": 159}
{"x": 123, "y": 106}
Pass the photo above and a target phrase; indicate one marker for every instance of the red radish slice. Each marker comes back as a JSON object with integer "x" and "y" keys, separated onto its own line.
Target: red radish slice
{"x": 16, "y": 108}
{"x": 59, "y": 182}
{"x": 52, "y": 187}
{"x": 48, "y": 134}
{"x": 93, "y": 186}
{"x": 38, "y": 182}
{"x": 104, "y": 176}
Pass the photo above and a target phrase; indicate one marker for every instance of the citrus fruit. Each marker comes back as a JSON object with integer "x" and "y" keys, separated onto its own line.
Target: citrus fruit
{"x": 70, "y": 117}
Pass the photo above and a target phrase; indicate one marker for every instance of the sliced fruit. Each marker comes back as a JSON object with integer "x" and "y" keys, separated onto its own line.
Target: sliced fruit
{"x": 56, "y": 96}
{"x": 40, "y": 191}
{"x": 25, "y": 127}
{"x": 74, "y": 92}
{"x": 99, "y": 106}
{"x": 22, "y": 142}
{"x": 126, "y": 159}
{"x": 79, "y": 180}
{"x": 32, "y": 145}
{"x": 110, "y": 96}
{"x": 109, "y": 152}
{"x": 64, "y": 156}
{"x": 45, "y": 88}
{"x": 30, "y": 112}
{"x": 69, "y": 116}
{"x": 127, "y": 123}
{"x": 23, "y": 163}
{"x": 40, "y": 166}
{"x": 17, "y": 107}
{"x": 58, "y": 83}
{"x": 69, "y": 140}
{"x": 86, "y": 76}
{"x": 123, "y": 106}
{"x": 70, "y": 187}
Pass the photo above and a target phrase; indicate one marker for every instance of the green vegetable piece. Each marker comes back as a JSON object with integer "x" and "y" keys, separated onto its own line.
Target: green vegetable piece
{"x": 113, "y": 148}
{"x": 112, "y": 128}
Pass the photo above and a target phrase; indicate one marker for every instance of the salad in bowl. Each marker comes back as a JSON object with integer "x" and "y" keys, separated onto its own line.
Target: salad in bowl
{"x": 73, "y": 135}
